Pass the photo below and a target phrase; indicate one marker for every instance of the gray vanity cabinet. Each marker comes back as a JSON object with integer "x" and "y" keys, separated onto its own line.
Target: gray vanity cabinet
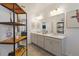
{"x": 51, "y": 44}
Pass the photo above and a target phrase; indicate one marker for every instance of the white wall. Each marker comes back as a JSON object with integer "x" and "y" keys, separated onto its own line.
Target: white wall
{"x": 72, "y": 38}
{"x": 29, "y": 29}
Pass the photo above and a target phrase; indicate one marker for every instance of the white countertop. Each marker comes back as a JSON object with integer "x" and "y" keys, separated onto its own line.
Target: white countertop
{"x": 51, "y": 35}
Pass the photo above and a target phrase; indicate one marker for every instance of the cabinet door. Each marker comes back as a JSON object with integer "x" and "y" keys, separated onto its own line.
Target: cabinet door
{"x": 48, "y": 45}
{"x": 53, "y": 45}
{"x": 40, "y": 40}
{"x": 34, "y": 38}
{"x": 57, "y": 46}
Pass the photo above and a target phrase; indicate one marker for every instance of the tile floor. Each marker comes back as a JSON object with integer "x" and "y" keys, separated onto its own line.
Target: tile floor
{"x": 36, "y": 51}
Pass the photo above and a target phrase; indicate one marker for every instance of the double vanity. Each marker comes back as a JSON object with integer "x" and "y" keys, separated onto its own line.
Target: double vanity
{"x": 49, "y": 42}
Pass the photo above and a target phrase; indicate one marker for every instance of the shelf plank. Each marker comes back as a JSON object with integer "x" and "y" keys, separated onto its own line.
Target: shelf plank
{"x": 11, "y": 23}
{"x": 17, "y": 9}
{"x": 10, "y": 41}
{"x": 20, "y": 52}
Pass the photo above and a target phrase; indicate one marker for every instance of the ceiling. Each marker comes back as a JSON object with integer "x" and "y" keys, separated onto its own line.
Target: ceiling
{"x": 35, "y": 9}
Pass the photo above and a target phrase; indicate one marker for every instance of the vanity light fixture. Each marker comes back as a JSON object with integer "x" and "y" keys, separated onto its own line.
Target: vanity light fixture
{"x": 56, "y": 11}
